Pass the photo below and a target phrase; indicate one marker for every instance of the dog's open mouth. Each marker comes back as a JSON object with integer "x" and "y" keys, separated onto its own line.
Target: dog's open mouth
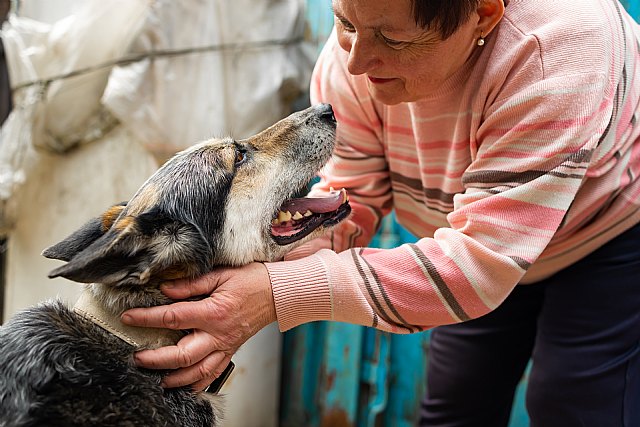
{"x": 299, "y": 217}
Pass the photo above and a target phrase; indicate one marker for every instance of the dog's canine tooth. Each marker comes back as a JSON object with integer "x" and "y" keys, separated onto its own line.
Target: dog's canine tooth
{"x": 345, "y": 198}
{"x": 297, "y": 216}
{"x": 275, "y": 221}
{"x": 308, "y": 213}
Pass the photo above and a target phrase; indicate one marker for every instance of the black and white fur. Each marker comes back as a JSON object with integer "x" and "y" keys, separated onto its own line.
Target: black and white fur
{"x": 210, "y": 205}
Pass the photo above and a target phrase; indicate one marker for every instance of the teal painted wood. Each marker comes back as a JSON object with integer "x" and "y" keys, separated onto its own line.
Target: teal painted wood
{"x": 341, "y": 363}
{"x": 320, "y": 21}
{"x": 320, "y": 375}
{"x": 301, "y": 376}
{"x": 407, "y": 377}
{"x": 376, "y": 361}
{"x": 633, "y": 7}
{"x": 519, "y": 416}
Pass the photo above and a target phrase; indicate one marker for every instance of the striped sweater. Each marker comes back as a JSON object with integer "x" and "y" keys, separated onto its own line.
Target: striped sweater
{"x": 523, "y": 162}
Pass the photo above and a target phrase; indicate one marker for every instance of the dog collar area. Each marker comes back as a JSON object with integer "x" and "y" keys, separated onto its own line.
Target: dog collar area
{"x": 90, "y": 308}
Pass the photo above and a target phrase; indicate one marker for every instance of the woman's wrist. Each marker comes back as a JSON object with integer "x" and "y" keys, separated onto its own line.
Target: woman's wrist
{"x": 300, "y": 291}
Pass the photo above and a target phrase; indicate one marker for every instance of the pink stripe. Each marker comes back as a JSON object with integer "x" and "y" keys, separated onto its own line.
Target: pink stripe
{"x": 551, "y": 124}
{"x": 412, "y": 298}
{"x": 527, "y": 214}
{"x": 444, "y": 144}
{"x": 399, "y": 130}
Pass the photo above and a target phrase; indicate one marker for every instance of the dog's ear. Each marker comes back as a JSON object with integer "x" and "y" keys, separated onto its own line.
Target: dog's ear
{"x": 134, "y": 249}
{"x": 85, "y": 235}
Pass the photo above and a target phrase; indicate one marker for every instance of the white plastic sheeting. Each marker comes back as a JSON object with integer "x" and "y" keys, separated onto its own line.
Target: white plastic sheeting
{"x": 246, "y": 66}
{"x": 51, "y": 113}
{"x": 172, "y": 72}
{"x": 106, "y": 90}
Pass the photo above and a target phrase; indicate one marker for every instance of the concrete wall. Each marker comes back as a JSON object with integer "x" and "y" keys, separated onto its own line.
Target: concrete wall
{"x": 59, "y": 196}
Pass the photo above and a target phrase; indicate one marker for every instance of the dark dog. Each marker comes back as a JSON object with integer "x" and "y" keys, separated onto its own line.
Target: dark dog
{"x": 219, "y": 203}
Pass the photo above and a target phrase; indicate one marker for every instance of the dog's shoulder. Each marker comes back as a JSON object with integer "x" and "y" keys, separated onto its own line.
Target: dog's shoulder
{"x": 56, "y": 368}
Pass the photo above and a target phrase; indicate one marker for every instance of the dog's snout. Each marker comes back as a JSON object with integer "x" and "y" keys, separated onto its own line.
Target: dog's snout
{"x": 325, "y": 111}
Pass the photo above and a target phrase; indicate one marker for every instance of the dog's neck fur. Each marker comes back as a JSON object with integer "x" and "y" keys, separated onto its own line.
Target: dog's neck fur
{"x": 93, "y": 309}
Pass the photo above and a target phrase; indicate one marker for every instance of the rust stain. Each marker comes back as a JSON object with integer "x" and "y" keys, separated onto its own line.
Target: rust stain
{"x": 331, "y": 378}
{"x": 335, "y": 418}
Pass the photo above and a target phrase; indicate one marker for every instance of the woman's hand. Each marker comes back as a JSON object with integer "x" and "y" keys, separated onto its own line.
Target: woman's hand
{"x": 239, "y": 304}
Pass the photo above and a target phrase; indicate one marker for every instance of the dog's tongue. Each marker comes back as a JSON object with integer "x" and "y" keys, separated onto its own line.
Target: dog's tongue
{"x": 297, "y": 218}
{"x": 318, "y": 205}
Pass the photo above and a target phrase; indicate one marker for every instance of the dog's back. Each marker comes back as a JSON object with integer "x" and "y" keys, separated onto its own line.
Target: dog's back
{"x": 58, "y": 369}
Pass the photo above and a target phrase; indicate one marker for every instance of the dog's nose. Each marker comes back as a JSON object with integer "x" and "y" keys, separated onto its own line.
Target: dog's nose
{"x": 325, "y": 111}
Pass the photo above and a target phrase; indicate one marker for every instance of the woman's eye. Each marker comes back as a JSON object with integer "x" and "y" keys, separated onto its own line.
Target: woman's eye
{"x": 346, "y": 25}
{"x": 391, "y": 42}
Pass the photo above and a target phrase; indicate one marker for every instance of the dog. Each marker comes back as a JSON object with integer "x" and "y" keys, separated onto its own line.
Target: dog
{"x": 221, "y": 202}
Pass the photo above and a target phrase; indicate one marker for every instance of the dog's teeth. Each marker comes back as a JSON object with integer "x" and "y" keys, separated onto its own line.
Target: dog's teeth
{"x": 275, "y": 221}
{"x": 308, "y": 213}
{"x": 345, "y": 198}
{"x": 331, "y": 190}
{"x": 284, "y": 216}
{"x": 297, "y": 216}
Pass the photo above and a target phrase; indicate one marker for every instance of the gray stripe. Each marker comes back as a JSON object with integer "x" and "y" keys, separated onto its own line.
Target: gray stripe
{"x": 440, "y": 284}
{"x": 429, "y": 193}
{"x": 422, "y": 202}
{"x": 356, "y": 259}
{"x": 496, "y": 176}
{"x": 500, "y": 176}
{"x": 522, "y": 263}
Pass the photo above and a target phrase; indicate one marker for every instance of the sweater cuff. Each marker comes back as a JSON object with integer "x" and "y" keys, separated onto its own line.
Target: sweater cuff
{"x": 300, "y": 290}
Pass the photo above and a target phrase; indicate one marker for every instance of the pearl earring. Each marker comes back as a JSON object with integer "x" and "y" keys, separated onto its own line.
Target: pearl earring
{"x": 480, "y": 41}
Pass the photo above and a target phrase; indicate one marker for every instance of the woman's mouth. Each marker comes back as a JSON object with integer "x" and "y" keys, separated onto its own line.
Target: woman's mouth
{"x": 377, "y": 80}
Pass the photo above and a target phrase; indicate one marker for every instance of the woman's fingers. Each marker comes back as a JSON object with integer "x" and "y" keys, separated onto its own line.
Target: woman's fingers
{"x": 190, "y": 350}
{"x": 186, "y": 288}
{"x": 217, "y": 371}
{"x": 179, "y": 315}
{"x": 200, "y": 375}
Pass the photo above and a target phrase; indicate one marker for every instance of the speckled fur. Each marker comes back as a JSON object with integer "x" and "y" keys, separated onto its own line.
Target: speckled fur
{"x": 210, "y": 205}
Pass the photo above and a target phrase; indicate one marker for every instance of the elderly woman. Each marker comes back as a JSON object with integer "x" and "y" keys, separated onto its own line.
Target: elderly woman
{"x": 506, "y": 136}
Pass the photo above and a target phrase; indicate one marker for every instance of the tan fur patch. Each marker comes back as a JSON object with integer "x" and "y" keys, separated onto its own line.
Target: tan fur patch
{"x": 110, "y": 216}
{"x": 124, "y": 223}
{"x": 227, "y": 154}
{"x": 146, "y": 198}
{"x": 271, "y": 140}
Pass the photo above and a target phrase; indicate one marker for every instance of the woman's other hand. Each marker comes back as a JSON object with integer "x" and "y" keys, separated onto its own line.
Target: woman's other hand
{"x": 238, "y": 303}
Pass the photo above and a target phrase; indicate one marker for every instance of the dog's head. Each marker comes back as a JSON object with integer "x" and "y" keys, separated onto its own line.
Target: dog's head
{"x": 221, "y": 202}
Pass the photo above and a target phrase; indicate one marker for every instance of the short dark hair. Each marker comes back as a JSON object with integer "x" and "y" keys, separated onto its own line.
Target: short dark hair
{"x": 444, "y": 16}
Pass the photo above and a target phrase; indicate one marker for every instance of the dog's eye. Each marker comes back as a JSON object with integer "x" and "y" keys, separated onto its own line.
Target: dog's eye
{"x": 241, "y": 156}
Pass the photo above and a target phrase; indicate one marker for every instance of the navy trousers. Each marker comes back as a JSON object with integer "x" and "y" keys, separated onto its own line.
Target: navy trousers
{"x": 581, "y": 330}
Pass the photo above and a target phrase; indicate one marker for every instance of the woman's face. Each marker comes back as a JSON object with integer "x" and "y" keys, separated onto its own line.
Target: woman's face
{"x": 402, "y": 62}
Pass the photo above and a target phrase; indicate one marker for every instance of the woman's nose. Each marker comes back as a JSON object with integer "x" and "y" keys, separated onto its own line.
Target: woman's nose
{"x": 362, "y": 56}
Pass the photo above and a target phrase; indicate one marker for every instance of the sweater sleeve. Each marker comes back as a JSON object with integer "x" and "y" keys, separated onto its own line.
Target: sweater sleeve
{"x": 531, "y": 156}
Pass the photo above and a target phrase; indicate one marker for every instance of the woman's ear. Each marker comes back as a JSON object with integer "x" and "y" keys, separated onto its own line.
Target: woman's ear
{"x": 489, "y": 12}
